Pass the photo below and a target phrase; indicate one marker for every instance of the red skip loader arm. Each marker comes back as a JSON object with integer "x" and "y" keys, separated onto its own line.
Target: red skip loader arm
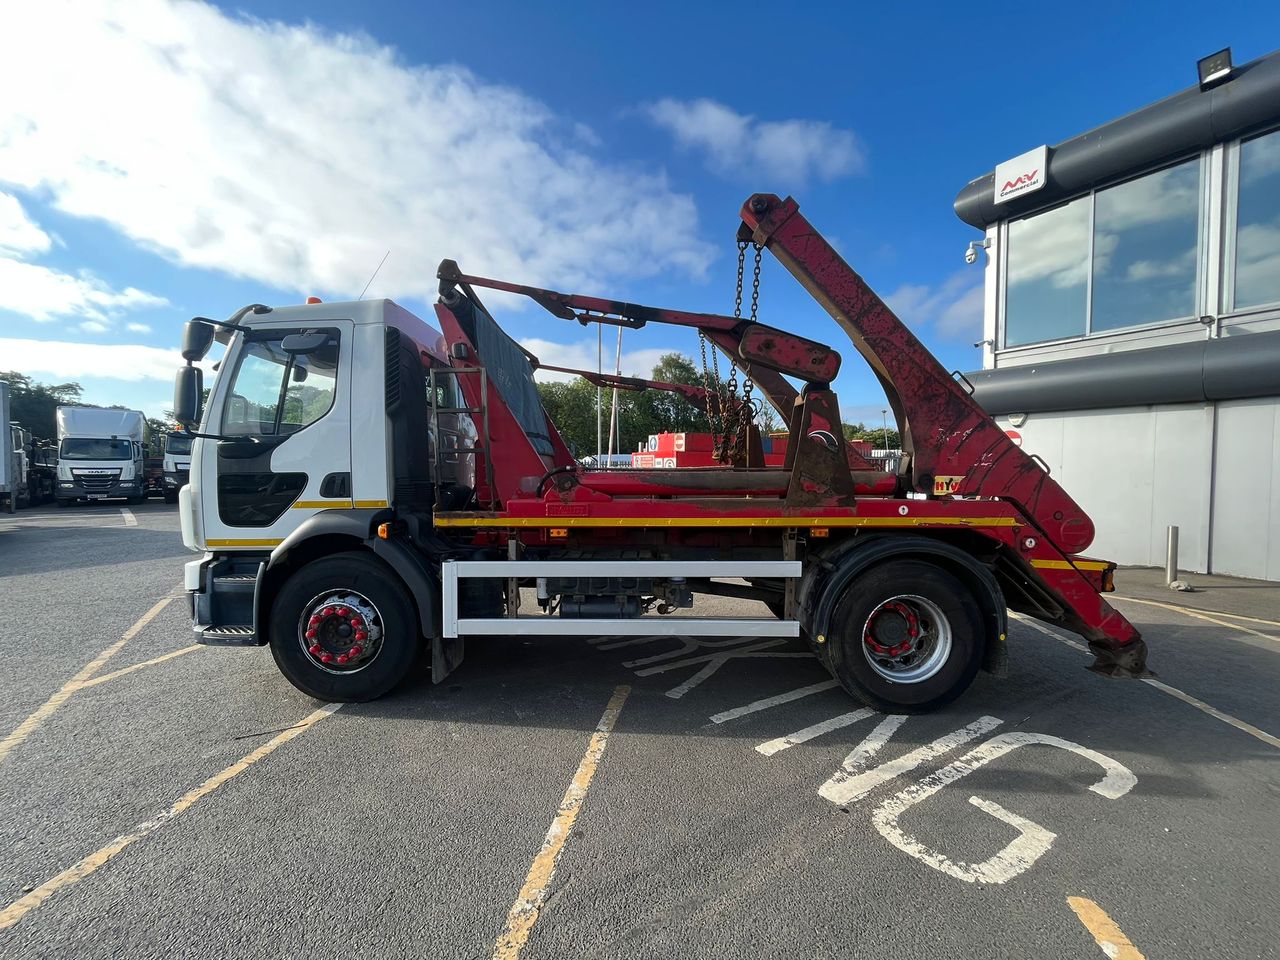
{"x": 943, "y": 429}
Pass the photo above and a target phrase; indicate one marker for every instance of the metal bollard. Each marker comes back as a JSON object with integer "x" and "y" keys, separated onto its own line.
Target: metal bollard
{"x": 1171, "y": 557}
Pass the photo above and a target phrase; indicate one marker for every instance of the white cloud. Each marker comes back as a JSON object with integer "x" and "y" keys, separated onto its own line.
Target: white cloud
{"x": 953, "y": 307}
{"x": 583, "y": 356}
{"x": 43, "y": 294}
{"x": 93, "y": 326}
{"x": 63, "y": 360}
{"x": 297, "y": 157}
{"x": 137, "y": 327}
{"x": 790, "y": 151}
{"x": 19, "y": 234}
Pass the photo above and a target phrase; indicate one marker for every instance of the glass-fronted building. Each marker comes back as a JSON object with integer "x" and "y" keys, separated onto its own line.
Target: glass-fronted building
{"x": 1132, "y": 321}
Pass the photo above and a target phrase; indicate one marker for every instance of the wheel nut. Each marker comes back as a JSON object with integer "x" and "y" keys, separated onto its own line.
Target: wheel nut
{"x": 327, "y": 612}
{"x": 327, "y": 658}
{"x": 315, "y": 649}
{"x": 362, "y": 635}
{"x": 355, "y": 651}
{"x": 342, "y": 659}
{"x": 311, "y": 634}
{"x": 357, "y": 621}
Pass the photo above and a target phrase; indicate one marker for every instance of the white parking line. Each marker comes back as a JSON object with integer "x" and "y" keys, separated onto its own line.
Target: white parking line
{"x": 757, "y": 705}
{"x": 770, "y": 747}
{"x": 129, "y": 519}
{"x": 1174, "y": 692}
{"x": 1186, "y": 611}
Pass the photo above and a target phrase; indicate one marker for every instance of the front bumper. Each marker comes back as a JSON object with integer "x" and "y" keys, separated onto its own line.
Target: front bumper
{"x": 115, "y": 490}
{"x": 174, "y": 480}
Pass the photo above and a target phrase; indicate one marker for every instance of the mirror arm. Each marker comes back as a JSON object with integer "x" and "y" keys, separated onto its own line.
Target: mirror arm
{"x": 219, "y": 436}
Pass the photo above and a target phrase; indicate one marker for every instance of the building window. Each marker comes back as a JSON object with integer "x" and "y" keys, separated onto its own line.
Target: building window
{"x": 1257, "y": 266}
{"x": 1145, "y": 249}
{"x": 1124, "y": 256}
{"x": 1047, "y": 293}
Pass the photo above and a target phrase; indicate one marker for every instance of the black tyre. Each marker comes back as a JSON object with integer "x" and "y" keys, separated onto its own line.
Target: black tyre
{"x": 170, "y": 497}
{"x": 344, "y": 629}
{"x": 906, "y": 637}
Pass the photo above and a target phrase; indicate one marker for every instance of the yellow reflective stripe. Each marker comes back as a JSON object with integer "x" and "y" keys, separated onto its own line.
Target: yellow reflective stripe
{"x": 243, "y": 543}
{"x": 725, "y": 521}
{"x": 340, "y": 505}
{"x": 1068, "y": 565}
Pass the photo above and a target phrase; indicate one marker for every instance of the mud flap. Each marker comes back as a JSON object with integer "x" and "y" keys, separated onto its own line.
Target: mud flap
{"x": 1123, "y": 662}
{"x": 446, "y": 656}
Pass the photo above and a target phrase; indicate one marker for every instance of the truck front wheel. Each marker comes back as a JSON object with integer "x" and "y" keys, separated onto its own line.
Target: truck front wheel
{"x": 906, "y": 637}
{"x": 344, "y": 629}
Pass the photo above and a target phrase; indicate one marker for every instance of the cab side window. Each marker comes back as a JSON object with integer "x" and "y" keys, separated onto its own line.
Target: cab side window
{"x": 275, "y": 393}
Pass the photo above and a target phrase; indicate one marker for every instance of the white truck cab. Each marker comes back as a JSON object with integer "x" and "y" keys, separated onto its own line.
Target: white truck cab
{"x": 320, "y": 417}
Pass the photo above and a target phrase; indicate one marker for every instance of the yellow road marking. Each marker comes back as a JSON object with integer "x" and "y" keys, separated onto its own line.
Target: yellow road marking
{"x": 50, "y": 706}
{"x": 524, "y": 912}
{"x": 20, "y": 908}
{"x": 726, "y": 522}
{"x": 1202, "y": 616}
{"x": 138, "y": 666}
{"x": 1104, "y": 930}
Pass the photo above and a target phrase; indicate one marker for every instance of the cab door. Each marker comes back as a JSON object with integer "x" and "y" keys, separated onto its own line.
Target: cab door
{"x": 284, "y": 415}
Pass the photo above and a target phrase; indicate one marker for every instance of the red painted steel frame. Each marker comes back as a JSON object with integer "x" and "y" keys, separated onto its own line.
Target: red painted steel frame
{"x": 993, "y": 488}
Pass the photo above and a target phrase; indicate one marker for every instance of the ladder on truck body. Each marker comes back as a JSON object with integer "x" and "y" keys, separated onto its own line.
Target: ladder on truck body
{"x": 439, "y": 452}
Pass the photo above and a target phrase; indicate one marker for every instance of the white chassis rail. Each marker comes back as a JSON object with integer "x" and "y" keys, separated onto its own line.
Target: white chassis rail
{"x": 454, "y": 570}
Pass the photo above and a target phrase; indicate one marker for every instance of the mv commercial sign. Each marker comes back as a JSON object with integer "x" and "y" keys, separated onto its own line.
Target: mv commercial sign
{"x": 1022, "y": 174}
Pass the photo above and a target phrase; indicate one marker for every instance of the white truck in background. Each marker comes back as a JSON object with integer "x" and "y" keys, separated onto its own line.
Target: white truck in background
{"x": 100, "y": 454}
{"x": 177, "y": 463}
{"x": 13, "y": 473}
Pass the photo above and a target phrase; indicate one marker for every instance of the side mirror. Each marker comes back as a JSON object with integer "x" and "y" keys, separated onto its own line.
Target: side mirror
{"x": 197, "y": 338}
{"x": 303, "y": 343}
{"x": 188, "y": 388}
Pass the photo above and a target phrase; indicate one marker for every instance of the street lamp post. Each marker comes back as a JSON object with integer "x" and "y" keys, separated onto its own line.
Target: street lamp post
{"x": 884, "y": 429}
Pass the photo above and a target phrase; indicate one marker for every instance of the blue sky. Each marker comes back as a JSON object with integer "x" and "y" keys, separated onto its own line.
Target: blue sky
{"x": 161, "y": 161}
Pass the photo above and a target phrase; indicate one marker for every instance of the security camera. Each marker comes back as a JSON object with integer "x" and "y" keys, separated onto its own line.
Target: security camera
{"x": 971, "y": 255}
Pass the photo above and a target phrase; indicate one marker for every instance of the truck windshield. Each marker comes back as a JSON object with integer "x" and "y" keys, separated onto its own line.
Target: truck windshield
{"x": 178, "y": 446}
{"x": 95, "y": 448}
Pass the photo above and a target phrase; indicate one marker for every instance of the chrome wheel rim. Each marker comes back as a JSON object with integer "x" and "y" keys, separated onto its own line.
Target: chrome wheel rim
{"x": 906, "y": 639}
{"x": 340, "y": 632}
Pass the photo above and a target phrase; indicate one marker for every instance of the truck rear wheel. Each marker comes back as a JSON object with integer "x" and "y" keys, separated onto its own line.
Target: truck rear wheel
{"x": 344, "y": 629}
{"x": 906, "y": 637}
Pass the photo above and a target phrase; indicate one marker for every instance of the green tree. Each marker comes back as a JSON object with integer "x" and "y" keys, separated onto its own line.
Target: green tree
{"x": 571, "y": 406}
{"x": 34, "y": 405}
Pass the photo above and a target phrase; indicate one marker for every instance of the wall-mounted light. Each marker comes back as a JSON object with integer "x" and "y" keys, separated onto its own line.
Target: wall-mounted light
{"x": 985, "y": 343}
{"x": 1017, "y": 419}
{"x": 1214, "y": 69}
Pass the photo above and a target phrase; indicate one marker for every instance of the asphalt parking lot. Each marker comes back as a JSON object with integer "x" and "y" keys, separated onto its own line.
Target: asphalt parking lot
{"x": 171, "y": 801}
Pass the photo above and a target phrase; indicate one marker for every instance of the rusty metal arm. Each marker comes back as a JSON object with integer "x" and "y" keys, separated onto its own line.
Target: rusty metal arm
{"x": 757, "y": 347}
{"x": 942, "y": 426}
{"x": 695, "y": 395}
